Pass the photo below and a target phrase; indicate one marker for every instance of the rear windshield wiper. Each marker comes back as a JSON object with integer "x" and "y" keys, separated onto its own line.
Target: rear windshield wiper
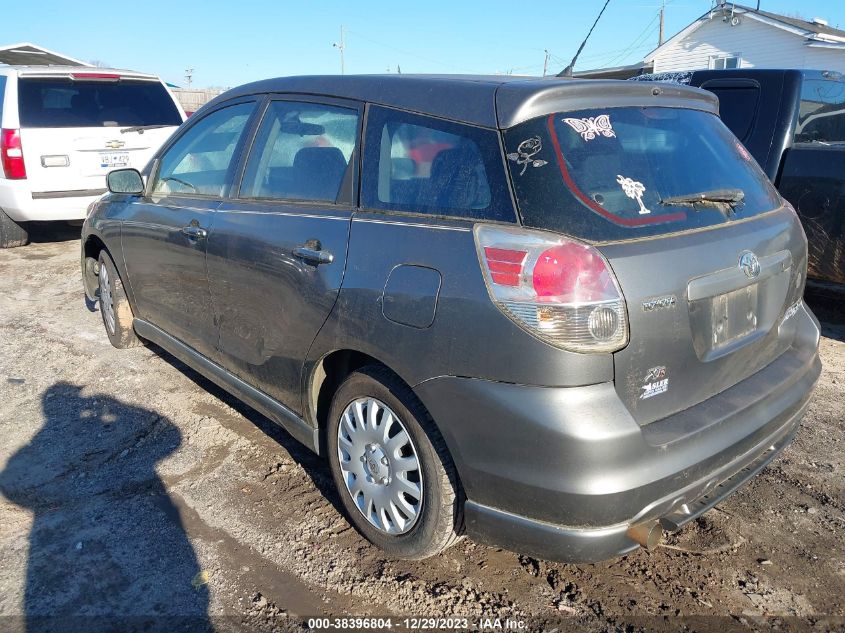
{"x": 714, "y": 197}
{"x": 140, "y": 128}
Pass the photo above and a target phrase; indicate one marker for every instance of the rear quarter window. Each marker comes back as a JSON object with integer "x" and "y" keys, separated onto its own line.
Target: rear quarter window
{"x": 606, "y": 175}
{"x": 57, "y": 103}
{"x": 737, "y": 107}
{"x": 420, "y": 164}
{"x": 821, "y": 115}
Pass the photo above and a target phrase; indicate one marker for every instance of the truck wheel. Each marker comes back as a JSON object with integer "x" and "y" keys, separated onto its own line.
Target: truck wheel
{"x": 11, "y": 233}
{"x": 114, "y": 306}
{"x": 391, "y": 467}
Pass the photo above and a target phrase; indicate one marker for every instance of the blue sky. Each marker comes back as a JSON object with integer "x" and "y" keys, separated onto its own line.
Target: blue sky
{"x": 229, "y": 43}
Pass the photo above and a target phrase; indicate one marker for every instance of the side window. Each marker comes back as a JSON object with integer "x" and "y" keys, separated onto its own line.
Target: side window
{"x": 737, "y": 108}
{"x": 303, "y": 151}
{"x": 200, "y": 161}
{"x": 821, "y": 116}
{"x": 424, "y": 165}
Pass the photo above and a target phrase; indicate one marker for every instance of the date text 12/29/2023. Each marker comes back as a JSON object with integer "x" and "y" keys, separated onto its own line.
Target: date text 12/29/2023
{"x": 416, "y": 624}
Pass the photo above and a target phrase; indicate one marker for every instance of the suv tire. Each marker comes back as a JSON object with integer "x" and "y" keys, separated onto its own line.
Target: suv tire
{"x": 11, "y": 233}
{"x": 438, "y": 523}
{"x": 114, "y": 306}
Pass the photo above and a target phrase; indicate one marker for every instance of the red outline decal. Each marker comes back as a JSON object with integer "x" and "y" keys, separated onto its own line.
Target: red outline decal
{"x": 658, "y": 219}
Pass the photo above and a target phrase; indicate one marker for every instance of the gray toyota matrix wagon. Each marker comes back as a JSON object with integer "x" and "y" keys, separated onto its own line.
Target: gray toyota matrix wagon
{"x": 557, "y": 315}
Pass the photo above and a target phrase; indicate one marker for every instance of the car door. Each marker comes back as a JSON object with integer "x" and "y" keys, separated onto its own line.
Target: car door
{"x": 165, "y": 233}
{"x": 277, "y": 252}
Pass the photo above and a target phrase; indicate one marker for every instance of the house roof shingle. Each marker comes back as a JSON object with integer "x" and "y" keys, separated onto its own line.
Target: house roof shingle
{"x": 813, "y": 27}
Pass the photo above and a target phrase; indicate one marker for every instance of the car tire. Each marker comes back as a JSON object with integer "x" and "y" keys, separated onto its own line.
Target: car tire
{"x": 11, "y": 233}
{"x": 114, "y": 305}
{"x": 438, "y": 521}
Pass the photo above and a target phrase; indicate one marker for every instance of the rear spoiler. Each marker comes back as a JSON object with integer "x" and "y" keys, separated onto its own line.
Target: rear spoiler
{"x": 517, "y": 102}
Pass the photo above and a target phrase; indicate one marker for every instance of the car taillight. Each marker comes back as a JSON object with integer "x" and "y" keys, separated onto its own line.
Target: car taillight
{"x": 11, "y": 154}
{"x": 560, "y": 290}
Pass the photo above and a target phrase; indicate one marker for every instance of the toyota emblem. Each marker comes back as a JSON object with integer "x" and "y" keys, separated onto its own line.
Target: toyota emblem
{"x": 749, "y": 264}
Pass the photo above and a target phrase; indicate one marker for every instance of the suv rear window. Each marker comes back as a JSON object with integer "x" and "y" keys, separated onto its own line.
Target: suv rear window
{"x": 607, "y": 175}
{"x": 46, "y": 103}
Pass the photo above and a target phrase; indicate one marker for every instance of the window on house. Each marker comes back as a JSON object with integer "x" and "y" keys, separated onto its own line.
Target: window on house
{"x": 721, "y": 62}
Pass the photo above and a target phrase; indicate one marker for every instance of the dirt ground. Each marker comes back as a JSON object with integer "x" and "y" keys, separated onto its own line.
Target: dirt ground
{"x": 131, "y": 486}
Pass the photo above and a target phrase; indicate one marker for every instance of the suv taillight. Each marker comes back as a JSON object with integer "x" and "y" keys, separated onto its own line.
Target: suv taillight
{"x": 560, "y": 290}
{"x": 11, "y": 154}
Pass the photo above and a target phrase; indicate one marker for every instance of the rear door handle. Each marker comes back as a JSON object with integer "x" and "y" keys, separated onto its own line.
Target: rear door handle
{"x": 195, "y": 231}
{"x": 314, "y": 256}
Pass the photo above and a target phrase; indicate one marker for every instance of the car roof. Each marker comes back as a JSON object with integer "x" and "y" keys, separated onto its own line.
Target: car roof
{"x": 484, "y": 100}
{"x": 64, "y": 71}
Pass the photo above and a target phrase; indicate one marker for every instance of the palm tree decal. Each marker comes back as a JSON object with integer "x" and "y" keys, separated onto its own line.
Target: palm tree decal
{"x": 633, "y": 190}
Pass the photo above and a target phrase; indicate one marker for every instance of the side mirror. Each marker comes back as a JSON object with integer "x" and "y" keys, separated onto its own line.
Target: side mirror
{"x": 125, "y": 181}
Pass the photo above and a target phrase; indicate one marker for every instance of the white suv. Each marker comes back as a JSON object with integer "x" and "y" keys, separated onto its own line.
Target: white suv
{"x": 63, "y": 129}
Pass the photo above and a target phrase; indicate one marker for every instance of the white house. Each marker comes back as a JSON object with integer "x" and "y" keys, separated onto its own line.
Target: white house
{"x": 736, "y": 36}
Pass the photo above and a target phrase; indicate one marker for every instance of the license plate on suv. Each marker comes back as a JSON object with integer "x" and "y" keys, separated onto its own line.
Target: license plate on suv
{"x": 734, "y": 315}
{"x": 114, "y": 159}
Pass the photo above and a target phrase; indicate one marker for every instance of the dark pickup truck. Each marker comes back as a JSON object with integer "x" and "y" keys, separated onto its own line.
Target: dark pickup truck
{"x": 793, "y": 123}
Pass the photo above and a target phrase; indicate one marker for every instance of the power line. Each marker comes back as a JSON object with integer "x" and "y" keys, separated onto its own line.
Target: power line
{"x": 410, "y": 54}
{"x": 341, "y": 46}
{"x": 644, "y": 34}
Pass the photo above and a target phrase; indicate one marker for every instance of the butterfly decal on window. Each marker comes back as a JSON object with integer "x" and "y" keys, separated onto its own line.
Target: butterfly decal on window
{"x": 591, "y": 127}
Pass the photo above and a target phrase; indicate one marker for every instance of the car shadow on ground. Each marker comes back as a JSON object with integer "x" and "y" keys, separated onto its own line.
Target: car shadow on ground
{"x": 315, "y": 466}
{"x": 45, "y": 232}
{"x": 107, "y": 548}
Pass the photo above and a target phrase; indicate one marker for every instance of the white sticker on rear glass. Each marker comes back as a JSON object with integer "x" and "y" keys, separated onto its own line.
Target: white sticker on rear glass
{"x": 525, "y": 152}
{"x": 656, "y": 382}
{"x": 591, "y": 127}
{"x": 633, "y": 190}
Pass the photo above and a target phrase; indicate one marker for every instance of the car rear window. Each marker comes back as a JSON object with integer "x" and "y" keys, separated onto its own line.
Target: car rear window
{"x": 607, "y": 175}
{"x": 821, "y": 116}
{"x": 46, "y": 103}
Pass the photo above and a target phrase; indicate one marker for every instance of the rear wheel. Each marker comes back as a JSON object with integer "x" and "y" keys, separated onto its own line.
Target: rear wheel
{"x": 11, "y": 233}
{"x": 391, "y": 467}
{"x": 114, "y": 306}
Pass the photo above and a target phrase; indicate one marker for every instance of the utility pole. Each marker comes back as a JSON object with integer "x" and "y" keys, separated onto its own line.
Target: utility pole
{"x": 189, "y": 73}
{"x": 341, "y": 47}
{"x": 545, "y": 62}
{"x": 660, "y": 36}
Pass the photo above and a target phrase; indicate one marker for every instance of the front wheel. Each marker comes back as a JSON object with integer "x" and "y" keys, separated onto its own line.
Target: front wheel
{"x": 391, "y": 467}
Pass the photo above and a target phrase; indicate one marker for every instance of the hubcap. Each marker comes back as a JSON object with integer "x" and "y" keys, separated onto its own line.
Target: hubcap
{"x": 380, "y": 466}
{"x": 106, "y": 300}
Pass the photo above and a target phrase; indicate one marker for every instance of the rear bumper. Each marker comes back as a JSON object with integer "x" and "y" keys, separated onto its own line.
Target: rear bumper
{"x": 562, "y": 473}
{"x": 23, "y": 205}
